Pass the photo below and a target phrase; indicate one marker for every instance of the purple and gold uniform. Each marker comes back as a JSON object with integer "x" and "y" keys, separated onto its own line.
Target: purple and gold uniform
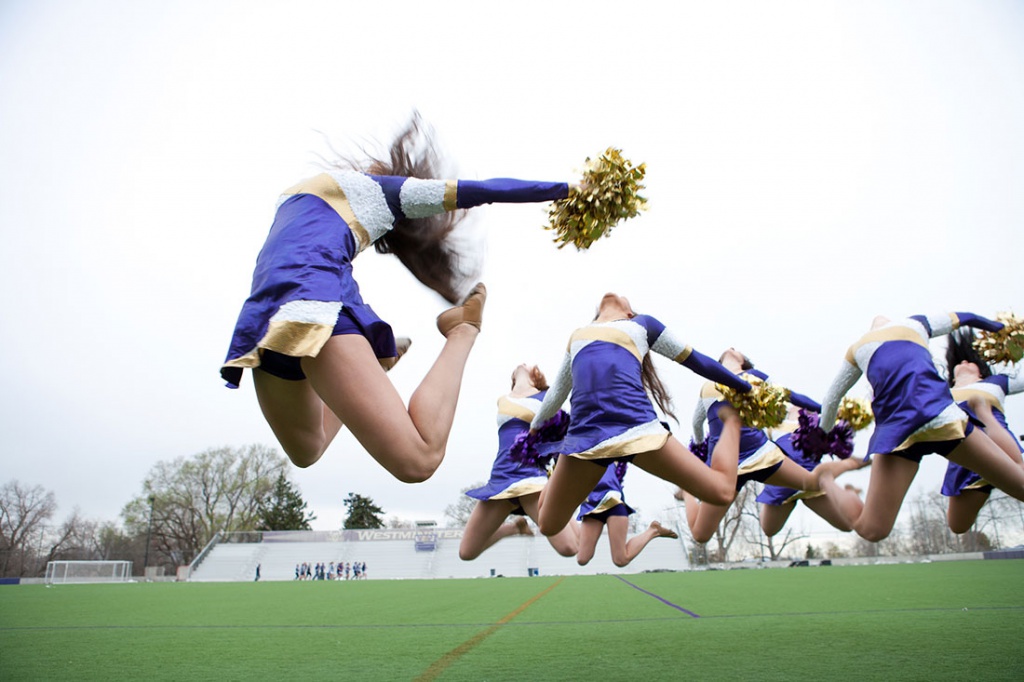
{"x": 759, "y": 457}
{"x": 612, "y": 415}
{"x": 607, "y": 498}
{"x": 993, "y": 390}
{"x": 303, "y": 291}
{"x": 777, "y": 495}
{"x": 511, "y": 479}
{"x": 914, "y": 411}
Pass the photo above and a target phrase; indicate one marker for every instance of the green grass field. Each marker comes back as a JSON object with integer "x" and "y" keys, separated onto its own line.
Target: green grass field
{"x": 947, "y": 620}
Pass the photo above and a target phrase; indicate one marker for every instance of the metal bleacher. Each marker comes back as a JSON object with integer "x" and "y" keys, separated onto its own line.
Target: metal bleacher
{"x": 394, "y": 555}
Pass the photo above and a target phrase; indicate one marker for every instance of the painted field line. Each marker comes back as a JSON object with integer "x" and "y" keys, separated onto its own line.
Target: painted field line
{"x": 659, "y": 598}
{"x": 443, "y": 663}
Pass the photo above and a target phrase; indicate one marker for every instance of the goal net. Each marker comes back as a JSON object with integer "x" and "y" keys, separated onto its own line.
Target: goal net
{"x": 88, "y": 572}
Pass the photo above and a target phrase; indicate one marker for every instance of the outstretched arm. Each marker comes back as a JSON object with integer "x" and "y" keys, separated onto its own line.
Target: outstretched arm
{"x": 942, "y": 324}
{"x": 416, "y": 198}
{"x": 556, "y": 395}
{"x": 844, "y": 381}
{"x": 663, "y": 342}
{"x": 798, "y": 399}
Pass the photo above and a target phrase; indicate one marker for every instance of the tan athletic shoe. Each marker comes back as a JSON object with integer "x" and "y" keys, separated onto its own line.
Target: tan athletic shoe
{"x": 470, "y": 312}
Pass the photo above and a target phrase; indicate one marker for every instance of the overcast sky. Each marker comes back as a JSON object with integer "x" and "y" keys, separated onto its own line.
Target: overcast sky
{"x": 810, "y": 165}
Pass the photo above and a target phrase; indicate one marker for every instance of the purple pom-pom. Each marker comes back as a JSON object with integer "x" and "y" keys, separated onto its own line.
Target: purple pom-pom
{"x": 840, "y": 440}
{"x": 700, "y": 449}
{"x": 524, "y": 447}
{"x": 810, "y": 438}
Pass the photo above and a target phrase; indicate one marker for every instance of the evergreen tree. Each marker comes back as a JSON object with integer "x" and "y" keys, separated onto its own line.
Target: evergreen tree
{"x": 284, "y": 508}
{"x": 363, "y": 513}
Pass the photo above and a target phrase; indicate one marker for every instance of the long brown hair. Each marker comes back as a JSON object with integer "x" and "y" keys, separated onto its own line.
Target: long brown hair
{"x": 652, "y": 382}
{"x": 423, "y": 245}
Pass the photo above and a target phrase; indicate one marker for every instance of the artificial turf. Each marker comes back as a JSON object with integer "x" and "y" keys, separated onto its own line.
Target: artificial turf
{"x": 944, "y": 620}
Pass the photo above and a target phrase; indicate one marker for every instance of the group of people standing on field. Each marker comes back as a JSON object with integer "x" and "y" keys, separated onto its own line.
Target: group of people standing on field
{"x": 320, "y": 354}
{"x": 354, "y": 570}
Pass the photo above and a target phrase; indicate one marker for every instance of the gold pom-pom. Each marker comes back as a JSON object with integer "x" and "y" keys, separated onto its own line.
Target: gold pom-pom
{"x": 763, "y": 407}
{"x": 856, "y": 412}
{"x": 608, "y": 193}
{"x": 1005, "y": 345}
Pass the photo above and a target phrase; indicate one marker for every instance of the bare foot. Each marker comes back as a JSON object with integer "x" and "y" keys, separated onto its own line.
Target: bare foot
{"x": 661, "y": 531}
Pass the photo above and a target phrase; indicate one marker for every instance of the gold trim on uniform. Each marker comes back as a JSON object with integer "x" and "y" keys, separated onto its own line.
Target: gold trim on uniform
{"x": 607, "y": 334}
{"x": 510, "y": 408}
{"x": 287, "y": 337}
{"x": 898, "y": 333}
{"x": 326, "y": 188}
{"x": 972, "y": 394}
{"x": 519, "y": 489}
{"x": 636, "y": 446}
{"x": 955, "y": 319}
{"x": 609, "y": 501}
{"x": 951, "y": 431}
{"x": 765, "y": 461}
{"x": 451, "y": 195}
{"x": 685, "y": 353}
{"x": 804, "y": 495}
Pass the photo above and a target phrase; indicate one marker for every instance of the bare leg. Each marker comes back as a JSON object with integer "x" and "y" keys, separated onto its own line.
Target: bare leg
{"x": 981, "y": 455}
{"x": 623, "y": 552}
{"x": 891, "y": 477}
{"x": 590, "y": 533}
{"x": 964, "y": 508}
{"x": 571, "y": 481}
{"x": 566, "y": 541}
{"x": 302, "y": 423}
{"x": 837, "y": 511}
{"x": 486, "y": 526}
{"x": 774, "y": 517}
{"x": 675, "y": 464}
{"x": 703, "y": 517}
{"x": 409, "y": 444}
{"x": 828, "y": 507}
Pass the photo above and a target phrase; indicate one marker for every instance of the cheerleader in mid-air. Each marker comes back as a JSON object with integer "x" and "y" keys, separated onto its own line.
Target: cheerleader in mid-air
{"x": 758, "y": 458}
{"x": 609, "y": 371}
{"x": 983, "y": 392}
{"x": 317, "y": 350}
{"x": 514, "y": 486}
{"x": 778, "y": 502}
{"x": 915, "y": 415}
{"x": 606, "y": 506}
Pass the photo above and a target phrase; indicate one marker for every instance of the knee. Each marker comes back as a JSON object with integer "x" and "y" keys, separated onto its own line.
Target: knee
{"x": 303, "y": 458}
{"x": 722, "y": 495}
{"x": 620, "y": 561}
{"x": 959, "y": 526}
{"x": 874, "y": 533}
{"x": 566, "y": 551}
{"x": 467, "y": 555}
{"x": 703, "y": 537}
{"x": 415, "y": 472}
{"x": 582, "y": 560}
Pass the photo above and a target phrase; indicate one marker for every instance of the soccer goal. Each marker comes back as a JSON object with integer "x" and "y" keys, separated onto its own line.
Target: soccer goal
{"x": 58, "y": 572}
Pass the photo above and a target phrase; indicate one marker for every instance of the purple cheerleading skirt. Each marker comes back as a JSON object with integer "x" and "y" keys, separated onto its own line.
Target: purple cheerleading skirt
{"x": 303, "y": 291}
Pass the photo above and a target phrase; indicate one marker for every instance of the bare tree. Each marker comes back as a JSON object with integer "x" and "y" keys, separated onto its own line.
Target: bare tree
{"x": 734, "y": 525}
{"x": 24, "y": 512}
{"x": 457, "y": 513}
{"x": 192, "y": 499}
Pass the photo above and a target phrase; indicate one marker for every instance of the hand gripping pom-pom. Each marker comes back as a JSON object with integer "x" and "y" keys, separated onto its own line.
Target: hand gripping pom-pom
{"x": 607, "y": 194}
{"x": 1005, "y": 345}
{"x": 763, "y": 407}
{"x": 810, "y": 438}
{"x": 856, "y": 412}
{"x": 700, "y": 449}
{"x": 525, "y": 448}
{"x": 840, "y": 440}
